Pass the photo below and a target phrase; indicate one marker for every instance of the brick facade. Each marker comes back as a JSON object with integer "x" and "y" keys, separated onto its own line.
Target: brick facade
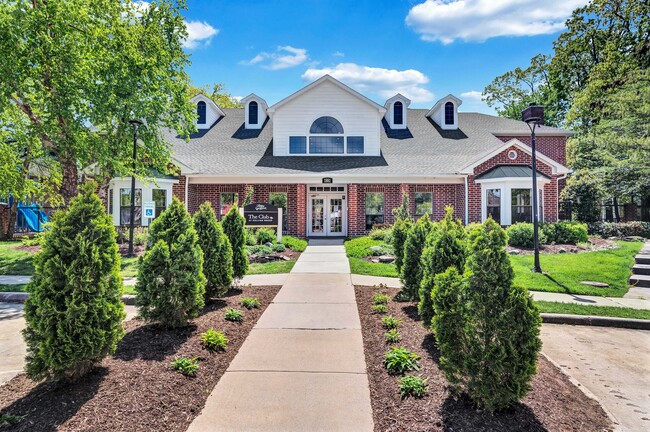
{"x": 552, "y": 146}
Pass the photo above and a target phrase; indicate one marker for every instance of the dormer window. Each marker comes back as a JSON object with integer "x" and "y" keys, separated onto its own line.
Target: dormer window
{"x": 449, "y": 113}
{"x": 201, "y": 112}
{"x": 252, "y": 113}
{"x": 398, "y": 113}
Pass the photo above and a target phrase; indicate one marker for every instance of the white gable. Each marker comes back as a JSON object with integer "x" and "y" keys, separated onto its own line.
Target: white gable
{"x": 212, "y": 112}
{"x": 262, "y": 107}
{"x": 437, "y": 112}
{"x": 390, "y": 111}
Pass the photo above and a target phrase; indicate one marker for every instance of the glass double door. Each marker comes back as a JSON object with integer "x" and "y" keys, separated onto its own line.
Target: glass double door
{"x": 327, "y": 215}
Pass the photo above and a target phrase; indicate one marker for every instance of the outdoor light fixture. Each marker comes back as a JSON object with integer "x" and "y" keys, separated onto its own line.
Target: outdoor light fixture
{"x": 534, "y": 116}
{"x": 136, "y": 124}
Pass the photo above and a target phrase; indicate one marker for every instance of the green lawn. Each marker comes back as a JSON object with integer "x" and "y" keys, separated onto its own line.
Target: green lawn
{"x": 577, "y": 309}
{"x": 129, "y": 267}
{"x": 363, "y": 267}
{"x": 13, "y": 288}
{"x": 13, "y": 261}
{"x": 563, "y": 272}
{"x": 271, "y": 267}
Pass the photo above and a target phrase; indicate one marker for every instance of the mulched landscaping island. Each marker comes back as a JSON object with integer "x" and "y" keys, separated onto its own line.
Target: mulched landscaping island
{"x": 136, "y": 389}
{"x": 554, "y": 404}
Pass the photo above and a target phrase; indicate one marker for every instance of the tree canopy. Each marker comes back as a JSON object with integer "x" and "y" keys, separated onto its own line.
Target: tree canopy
{"x": 217, "y": 92}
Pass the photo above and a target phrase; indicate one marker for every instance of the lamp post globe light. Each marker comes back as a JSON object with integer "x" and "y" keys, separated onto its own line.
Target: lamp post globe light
{"x": 136, "y": 124}
{"x": 534, "y": 116}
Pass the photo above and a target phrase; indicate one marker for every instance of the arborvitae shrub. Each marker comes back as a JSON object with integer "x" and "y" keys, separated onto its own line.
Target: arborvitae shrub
{"x": 74, "y": 314}
{"x": 401, "y": 228}
{"x": 233, "y": 226}
{"x": 446, "y": 247}
{"x": 487, "y": 329}
{"x": 170, "y": 283}
{"x": 411, "y": 273}
{"x": 217, "y": 253}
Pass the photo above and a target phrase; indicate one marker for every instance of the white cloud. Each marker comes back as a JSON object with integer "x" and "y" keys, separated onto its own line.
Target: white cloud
{"x": 199, "y": 33}
{"x": 380, "y": 81}
{"x": 478, "y": 20}
{"x": 284, "y": 57}
{"x": 339, "y": 54}
{"x": 474, "y": 96}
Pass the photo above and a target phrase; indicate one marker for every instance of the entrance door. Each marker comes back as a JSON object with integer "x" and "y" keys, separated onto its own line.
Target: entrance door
{"x": 327, "y": 215}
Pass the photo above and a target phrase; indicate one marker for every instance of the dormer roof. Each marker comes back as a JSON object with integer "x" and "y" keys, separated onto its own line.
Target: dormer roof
{"x": 398, "y": 97}
{"x": 257, "y": 99}
{"x": 209, "y": 103}
{"x": 440, "y": 104}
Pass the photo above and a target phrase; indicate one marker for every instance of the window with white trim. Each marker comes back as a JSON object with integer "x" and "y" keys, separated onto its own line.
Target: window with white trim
{"x": 374, "y": 209}
{"x": 423, "y": 203}
{"x": 493, "y": 204}
{"x": 227, "y": 201}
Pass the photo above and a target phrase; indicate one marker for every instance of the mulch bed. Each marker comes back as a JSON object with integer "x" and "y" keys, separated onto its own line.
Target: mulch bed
{"x": 138, "y": 250}
{"x": 554, "y": 404}
{"x": 596, "y": 244}
{"x": 136, "y": 389}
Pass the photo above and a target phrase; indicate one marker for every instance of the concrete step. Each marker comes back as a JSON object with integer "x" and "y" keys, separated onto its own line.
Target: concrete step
{"x": 641, "y": 269}
{"x": 640, "y": 280}
{"x": 642, "y": 259}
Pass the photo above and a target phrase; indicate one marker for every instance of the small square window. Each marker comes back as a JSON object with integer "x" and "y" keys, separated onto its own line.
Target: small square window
{"x": 355, "y": 145}
{"x": 297, "y": 145}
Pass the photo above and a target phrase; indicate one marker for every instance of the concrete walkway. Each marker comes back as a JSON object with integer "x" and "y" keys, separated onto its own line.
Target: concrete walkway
{"x": 302, "y": 368}
{"x": 635, "y": 303}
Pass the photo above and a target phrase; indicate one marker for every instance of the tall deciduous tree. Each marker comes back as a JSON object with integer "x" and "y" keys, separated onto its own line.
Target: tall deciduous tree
{"x": 217, "y": 92}
{"x": 69, "y": 64}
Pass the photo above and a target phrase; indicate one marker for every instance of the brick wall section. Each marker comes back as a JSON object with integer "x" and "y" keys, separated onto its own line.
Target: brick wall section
{"x": 550, "y": 190}
{"x": 301, "y": 211}
{"x": 552, "y": 146}
{"x": 178, "y": 189}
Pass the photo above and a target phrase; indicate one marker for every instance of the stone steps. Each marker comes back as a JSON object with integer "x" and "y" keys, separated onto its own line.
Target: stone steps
{"x": 641, "y": 270}
{"x": 642, "y": 259}
{"x": 642, "y": 281}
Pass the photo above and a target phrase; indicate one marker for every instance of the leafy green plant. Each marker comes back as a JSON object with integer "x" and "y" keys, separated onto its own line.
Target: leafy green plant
{"x": 73, "y": 313}
{"x": 7, "y": 419}
{"x": 250, "y": 303}
{"x": 214, "y": 340}
{"x": 383, "y": 234}
{"x": 521, "y": 235}
{"x": 265, "y": 235}
{"x": 140, "y": 239}
{"x": 379, "y": 298}
{"x": 217, "y": 253}
{"x": 259, "y": 249}
{"x": 360, "y": 247}
{"x": 390, "y": 322}
{"x": 185, "y": 365}
{"x": 415, "y": 386}
{"x": 379, "y": 309}
{"x": 251, "y": 239}
{"x": 399, "y": 360}
{"x": 171, "y": 284}
{"x": 393, "y": 336}
{"x": 234, "y": 315}
{"x": 278, "y": 247}
{"x": 295, "y": 244}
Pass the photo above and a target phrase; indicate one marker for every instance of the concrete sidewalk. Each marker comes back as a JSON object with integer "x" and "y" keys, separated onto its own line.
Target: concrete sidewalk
{"x": 302, "y": 368}
{"x": 635, "y": 303}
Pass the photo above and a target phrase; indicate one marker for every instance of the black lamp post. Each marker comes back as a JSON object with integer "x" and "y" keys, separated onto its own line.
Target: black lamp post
{"x": 534, "y": 116}
{"x": 136, "y": 124}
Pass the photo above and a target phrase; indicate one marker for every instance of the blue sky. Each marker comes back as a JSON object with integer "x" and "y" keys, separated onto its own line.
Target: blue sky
{"x": 424, "y": 50}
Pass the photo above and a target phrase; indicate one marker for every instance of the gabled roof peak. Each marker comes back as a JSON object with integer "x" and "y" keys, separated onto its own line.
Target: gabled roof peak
{"x": 398, "y": 97}
{"x": 254, "y": 97}
{"x": 450, "y": 97}
{"x": 209, "y": 102}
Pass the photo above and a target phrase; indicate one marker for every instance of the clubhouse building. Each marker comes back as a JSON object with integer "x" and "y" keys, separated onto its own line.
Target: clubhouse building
{"x": 338, "y": 163}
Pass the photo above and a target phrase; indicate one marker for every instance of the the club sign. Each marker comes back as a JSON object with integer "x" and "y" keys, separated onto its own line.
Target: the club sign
{"x": 261, "y": 214}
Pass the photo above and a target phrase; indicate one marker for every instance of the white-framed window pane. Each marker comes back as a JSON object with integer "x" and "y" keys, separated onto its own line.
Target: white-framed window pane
{"x": 374, "y": 209}
{"x": 522, "y": 210}
{"x": 125, "y": 206}
{"x": 423, "y": 203}
{"x": 159, "y": 196}
{"x": 297, "y": 145}
{"x": 355, "y": 145}
{"x": 493, "y": 204}
{"x": 326, "y": 145}
{"x": 228, "y": 200}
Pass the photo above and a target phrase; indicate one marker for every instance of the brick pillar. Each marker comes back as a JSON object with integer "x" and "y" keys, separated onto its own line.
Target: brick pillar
{"x": 301, "y": 207}
{"x": 353, "y": 210}
{"x": 178, "y": 189}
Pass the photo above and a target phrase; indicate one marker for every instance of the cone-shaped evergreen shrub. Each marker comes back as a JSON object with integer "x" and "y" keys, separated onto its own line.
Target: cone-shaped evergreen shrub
{"x": 401, "y": 229}
{"x": 446, "y": 247}
{"x": 217, "y": 253}
{"x": 411, "y": 274}
{"x": 170, "y": 283}
{"x": 233, "y": 226}
{"x": 74, "y": 314}
{"x": 486, "y": 329}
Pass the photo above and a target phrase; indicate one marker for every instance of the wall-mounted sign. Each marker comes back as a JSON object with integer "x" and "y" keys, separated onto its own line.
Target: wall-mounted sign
{"x": 261, "y": 214}
{"x": 149, "y": 209}
{"x": 327, "y": 180}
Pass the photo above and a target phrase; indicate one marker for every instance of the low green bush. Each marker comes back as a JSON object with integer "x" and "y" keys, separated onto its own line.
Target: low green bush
{"x": 214, "y": 340}
{"x": 398, "y": 361}
{"x": 415, "y": 386}
{"x": 278, "y": 247}
{"x": 234, "y": 315}
{"x": 393, "y": 336}
{"x": 187, "y": 366}
{"x": 383, "y": 234}
{"x": 294, "y": 243}
{"x": 565, "y": 232}
{"x": 379, "y": 309}
{"x": 359, "y": 247}
{"x": 259, "y": 249}
{"x": 251, "y": 239}
{"x": 390, "y": 322}
{"x": 7, "y": 420}
{"x": 521, "y": 235}
{"x": 620, "y": 229}
{"x": 379, "y": 298}
{"x": 140, "y": 239}
{"x": 250, "y": 303}
{"x": 265, "y": 235}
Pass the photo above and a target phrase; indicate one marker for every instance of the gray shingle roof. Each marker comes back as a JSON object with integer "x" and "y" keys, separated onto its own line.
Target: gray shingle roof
{"x": 502, "y": 171}
{"x": 423, "y": 149}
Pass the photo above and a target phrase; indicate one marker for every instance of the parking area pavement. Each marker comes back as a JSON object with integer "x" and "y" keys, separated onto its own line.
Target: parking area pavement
{"x": 12, "y": 345}
{"x": 611, "y": 363}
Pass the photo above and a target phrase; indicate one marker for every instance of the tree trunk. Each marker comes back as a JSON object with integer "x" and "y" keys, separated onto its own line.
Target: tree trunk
{"x": 617, "y": 216}
{"x": 69, "y": 178}
{"x": 8, "y": 215}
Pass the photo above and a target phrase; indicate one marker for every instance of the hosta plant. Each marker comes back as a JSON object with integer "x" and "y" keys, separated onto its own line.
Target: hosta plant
{"x": 187, "y": 366}
{"x": 379, "y": 299}
{"x": 214, "y": 340}
{"x": 390, "y": 322}
{"x": 234, "y": 315}
{"x": 392, "y": 336}
{"x": 250, "y": 303}
{"x": 379, "y": 309}
{"x": 400, "y": 360}
{"x": 415, "y": 386}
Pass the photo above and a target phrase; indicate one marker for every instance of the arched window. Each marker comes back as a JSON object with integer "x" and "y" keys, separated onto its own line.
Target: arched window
{"x": 326, "y": 125}
{"x": 200, "y": 112}
{"x": 398, "y": 113}
{"x": 252, "y": 112}
{"x": 449, "y": 113}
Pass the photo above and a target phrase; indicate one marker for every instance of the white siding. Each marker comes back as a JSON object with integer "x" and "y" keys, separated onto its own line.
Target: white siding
{"x": 357, "y": 117}
{"x": 211, "y": 116}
